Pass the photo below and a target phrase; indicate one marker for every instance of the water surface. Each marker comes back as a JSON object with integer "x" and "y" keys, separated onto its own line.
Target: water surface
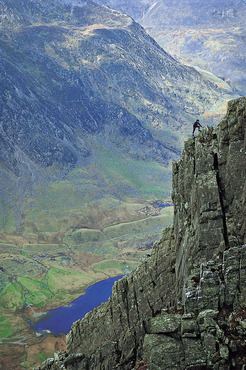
{"x": 60, "y": 319}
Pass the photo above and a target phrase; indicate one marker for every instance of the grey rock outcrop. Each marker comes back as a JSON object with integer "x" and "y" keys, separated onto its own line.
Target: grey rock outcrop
{"x": 209, "y": 194}
{"x": 184, "y": 307}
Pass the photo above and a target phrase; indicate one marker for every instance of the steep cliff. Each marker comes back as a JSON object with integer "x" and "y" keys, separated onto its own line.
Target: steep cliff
{"x": 185, "y": 306}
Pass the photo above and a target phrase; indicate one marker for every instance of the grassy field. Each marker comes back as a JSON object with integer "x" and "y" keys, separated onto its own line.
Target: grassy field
{"x": 37, "y": 292}
{"x": 76, "y": 232}
{"x": 5, "y": 327}
{"x": 114, "y": 267}
{"x": 12, "y": 296}
{"x": 94, "y": 196}
{"x": 47, "y": 275}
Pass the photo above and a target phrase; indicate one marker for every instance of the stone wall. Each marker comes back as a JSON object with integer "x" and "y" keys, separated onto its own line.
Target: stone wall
{"x": 184, "y": 307}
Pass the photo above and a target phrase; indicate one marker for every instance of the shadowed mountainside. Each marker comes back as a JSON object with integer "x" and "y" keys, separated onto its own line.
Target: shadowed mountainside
{"x": 76, "y": 79}
{"x": 207, "y": 35}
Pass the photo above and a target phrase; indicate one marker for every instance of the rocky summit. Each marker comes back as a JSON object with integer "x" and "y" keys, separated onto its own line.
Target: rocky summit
{"x": 185, "y": 306}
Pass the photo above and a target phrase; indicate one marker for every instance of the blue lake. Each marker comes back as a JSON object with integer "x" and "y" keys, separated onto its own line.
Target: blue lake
{"x": 162, "y": 205}
{"x": 60, "y": 319}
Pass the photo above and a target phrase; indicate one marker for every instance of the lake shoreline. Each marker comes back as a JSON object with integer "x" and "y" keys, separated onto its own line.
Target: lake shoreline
{"x": 59, "y": 320}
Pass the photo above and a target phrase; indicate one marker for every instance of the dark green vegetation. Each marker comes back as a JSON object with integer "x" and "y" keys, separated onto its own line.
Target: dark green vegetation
{"x": 207, "y": 35}
{"x": 92, "y": 112}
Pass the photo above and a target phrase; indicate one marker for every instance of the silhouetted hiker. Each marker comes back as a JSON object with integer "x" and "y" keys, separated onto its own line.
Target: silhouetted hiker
{"x": 196, "y": 125}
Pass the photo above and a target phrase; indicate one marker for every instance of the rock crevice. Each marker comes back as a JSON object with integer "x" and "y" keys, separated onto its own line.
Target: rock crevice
{"x": 216, "y": 167}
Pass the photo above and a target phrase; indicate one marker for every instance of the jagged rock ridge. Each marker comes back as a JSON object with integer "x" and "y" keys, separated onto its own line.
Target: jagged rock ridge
{"x": 185, "y": 306}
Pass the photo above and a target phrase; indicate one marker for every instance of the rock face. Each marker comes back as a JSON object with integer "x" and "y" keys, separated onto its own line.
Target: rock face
{"x": 209, "y": 193}
{"x": 185, "y": 306}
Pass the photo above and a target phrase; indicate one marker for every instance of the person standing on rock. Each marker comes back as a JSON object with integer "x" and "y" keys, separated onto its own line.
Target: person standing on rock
{"x": 196, "y": 125}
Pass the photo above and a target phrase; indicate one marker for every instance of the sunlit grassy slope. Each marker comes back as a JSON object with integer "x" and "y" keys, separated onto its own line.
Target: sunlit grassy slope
{"x": 96, "y": 196}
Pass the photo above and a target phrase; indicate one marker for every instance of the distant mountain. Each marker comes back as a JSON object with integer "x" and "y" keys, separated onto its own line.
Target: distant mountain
{"x": 209, "y": 35}
{"x": 87, "y": 96}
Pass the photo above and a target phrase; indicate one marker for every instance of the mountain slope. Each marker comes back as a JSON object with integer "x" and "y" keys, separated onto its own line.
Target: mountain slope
{"x": 210, "y": 36}
{"x": 76, "y": 78}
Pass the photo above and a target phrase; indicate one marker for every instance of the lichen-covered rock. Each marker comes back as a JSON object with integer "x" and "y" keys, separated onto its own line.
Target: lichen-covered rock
{"x": 185, "y": 306}
{"x": 195, "y": 357}
{"x": 164, "y": 324}
{"x": 163, "y": 349}
{"x": 189, "y": 327}
{"x": 233, "y": 267}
